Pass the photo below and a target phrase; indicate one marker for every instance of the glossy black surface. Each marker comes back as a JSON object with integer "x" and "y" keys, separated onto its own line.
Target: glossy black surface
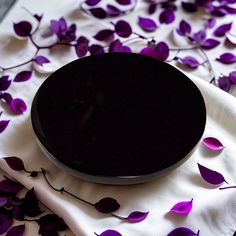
{"x": 118, "y": 118}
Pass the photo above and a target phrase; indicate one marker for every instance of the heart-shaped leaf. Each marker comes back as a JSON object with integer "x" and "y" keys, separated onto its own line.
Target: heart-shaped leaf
{"x": 182, "y": 207}
{"x": 15, "y": 163}
{"x": 211, "y": 176}
{"x": 182, "y": 231}
{"x": 17, "y": 230}
{"x": 107, "y": 205}
{"x": 109, "y": 232}
{"x": 213, "y": 143}
{"x": 22, "y": 28}
{"x": 123, "y": 29}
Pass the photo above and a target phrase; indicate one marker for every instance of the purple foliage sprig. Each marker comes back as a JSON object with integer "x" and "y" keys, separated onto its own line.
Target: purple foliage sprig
{"x": 105, "y": 205}
{"x": 13, "y": 207}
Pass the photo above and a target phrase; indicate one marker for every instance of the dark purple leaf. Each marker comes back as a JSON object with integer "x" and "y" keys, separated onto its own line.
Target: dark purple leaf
{"x": 148, "y": 51}
{"x": 182, "y": 207}
{"x": 104, "y": 35}
{"x": 9, "y": 186}
{"x": 31, "y": 204}
{"x": 211, "y": 176}
{"x": 6, "y": 97}
{"x": 230, "y": 10}
{"x": 15, "y": 163}
{"x": 40, "y": 60}
{"x": 23, "y": 76}
{"x": 222, "y": 29}
{"x": 152, "y": 8}
{"x": 3, "y": 200}
{"x": 189, "y": 61}
{"x": 17, "y": 230}
{"x": 15, "y": 201}
{"x": 184, "y": 28}
{"x": 232, "y": 77}
{"x": 209, "y": 43}
{"x": 198, "y": 36}
{"x": 18, "y": 106}
{"x": 167, "y": 16}
{"x": 3, "y": 125}
{"x": 227, "y": 58}
{"x": 123, "y": 29}
{"x": 49, "y": 221}
{"x": 61, "y": 225}
{"x": 213, "y": 143}
{"x": 82, "y": 46}
{"x": 4, "y": 83}
{"x": 231, "y": 38}
{"x": 96, "y": 49}
{"x": 124, "y": 2}
{"x": 127, "y": 49}
{"x": 92, "y": 2}
{"x": 22, "y": 28}
{"x": 98, "y": 12}
{"x": 137, "y": 216}
{"x": 189, "y": 6}
{"x": 107, "y": 205}
{"x": 38, "y": 17}
{"x": 224, "y": 83}
{"x": 110, "y": 232}
{"x": 182, "y": 231}
{"x": 116, "y": 46}
{"x": 218, "y": 11}
{"x": 211, "y": 23}
{"x": 147, "y": 24}
{"x": 113, "y": 10}
{"x": 161, "y": 51}
{"x": 169, "y": 5}
{"x": 5, "y": 222}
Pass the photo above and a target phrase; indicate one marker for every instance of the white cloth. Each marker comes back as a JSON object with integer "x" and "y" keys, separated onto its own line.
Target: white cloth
{"x": 214, "y": 211}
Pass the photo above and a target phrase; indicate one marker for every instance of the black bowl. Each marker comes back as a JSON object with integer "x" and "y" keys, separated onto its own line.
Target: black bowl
{"x": 118, "y": 118}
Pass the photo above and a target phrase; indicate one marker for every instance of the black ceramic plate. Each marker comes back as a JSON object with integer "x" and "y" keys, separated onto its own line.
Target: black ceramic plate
{"x": 118, "y": 118}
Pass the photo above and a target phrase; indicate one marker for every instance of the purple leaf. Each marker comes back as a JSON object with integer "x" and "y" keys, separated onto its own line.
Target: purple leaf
{"x": 18, "y": 212}
{"x": 18, "y": 106}
{"x": 104, "y": 35}
{"x": 137, "y": 216}
{"x": 227, "y": 58}
{"x": 209, "y": 43}
{"x": 211, "y": 176}
{"x": 3, "y": 125}
{"x": 222, "y": 29}
{"x": 213, "y": 143}
{"x": 17, "y": 230}
{"x": 184, "y": 28}
{"x": 23, "y": 76}
{"x": 4, "y": 83}
{"x": 123, "y": 29}
{"x": 98, "y": 12}
{"x": 230, "y": 10}
{"x": 5, "y": 222}
{"x": 161, "y": 51}
{"x": 232, "y": 77}
{"x": 92, "y": 2}
{"x": 49, "y": 221}
{"x": 9, "y": 186}
{"x": 96, "y": 49}
{"x": 182, "y": 207}
{"x": 189, "y": 61}
{"x": 152, "y": 8}
{"x": 169, "y": 5}
{"x": 82, "y": 46}
{"x": 148, "y": 51}
{"x": 3, "y": 201}
{"x": 124, "y": 2}
{"x": 224, "y": 83}
{"x": 189, "y": 7}
{"x": 147, "y": 24}
{"x": 109, "y": 232}
{"x": 182, "y": 231}
{"x": 6, "y": 97}
{"x": 15, "y": 163}
{"x": 22, "y": 28}
{"x": 107, "y": 205}
{"x": 40, "y": 60}
{"x": 211, "y": 23}
{"x": 199, "y": 36}
{"x": 231, "y": 38}
{"x": 117, "y": 46}
{"x": 113, "y": 10}
{"x": 31, "y": 205}
{"x": 167, "y": 16}
{"x": 38, "y": 17}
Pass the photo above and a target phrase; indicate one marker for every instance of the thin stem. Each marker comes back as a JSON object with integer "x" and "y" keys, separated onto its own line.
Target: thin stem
{"x": 185, "y": 49}
{"x": 19, "y": 65}
{"x": 227, "y": 187}
{"x": 62, "y": 190}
